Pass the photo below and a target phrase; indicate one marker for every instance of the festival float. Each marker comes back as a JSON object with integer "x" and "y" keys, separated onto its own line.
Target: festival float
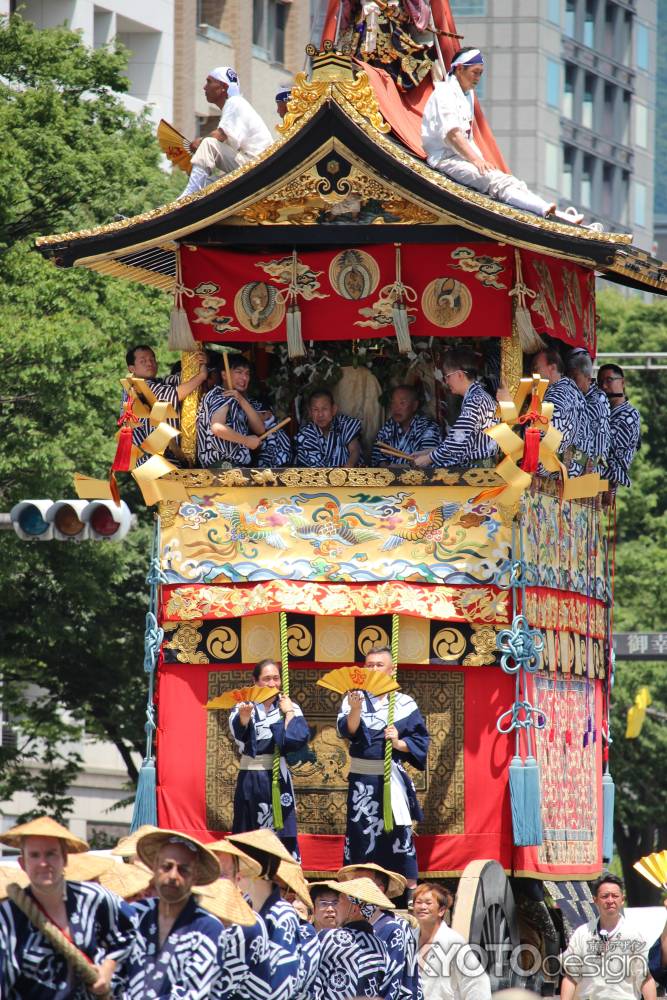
{"x": 340, "y": 249}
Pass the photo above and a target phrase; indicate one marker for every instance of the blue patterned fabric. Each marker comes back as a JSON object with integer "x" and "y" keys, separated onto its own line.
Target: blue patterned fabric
{"x": 310, "y": 960}
{"x": 655, "y": 966}
{"x": 625, "y": 440}
{"x": 252, "y": 798}
{"x": 365, "y": 837}
{"x": 189, "y": 964}
{"x": 599, "y": 418}
{"x": 276, "y": 450}
{"x": 282, "y": 925}
{"x": 101, "y": 926}
{"x": 246, "y": 968}
{"x": 420, "y": 435}
{"x": 353, "y": 962}
{"x": 466, "y": 441}
{"x": 212, "y": 450}
{"x": 401, "y": 942}
{"x": 571, "y": 417}
{"x": 313, "y": 448}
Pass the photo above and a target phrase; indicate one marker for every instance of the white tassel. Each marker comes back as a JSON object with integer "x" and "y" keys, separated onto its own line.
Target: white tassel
{"x": 370, "y": 13}
{"x": 295, "y": 345}
{"x": 401, "y": 320}
{"x": 180, "y": 334}
{"x": 530, "y": 340}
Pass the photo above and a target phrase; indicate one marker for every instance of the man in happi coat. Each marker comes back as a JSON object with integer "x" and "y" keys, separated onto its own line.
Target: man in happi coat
{"x": 397, "y": 933}
{"x": 179, "y": 946}
{"x": 354, "y": 961}
{"x": 92, "y": 918}
{"x": 580, "y": 370}
{"x": 329, "y": 439}
{"x": 363, "y": 722}
{"x": 247, "y": 971}
{"x": 466, "y": 444}
{"x": 571, "y": 415}
{"x": 287, "y": 969}
{"x": 625, "y": 425}
{"x": 406, "y": 430}
{"x": 228, "y": 425}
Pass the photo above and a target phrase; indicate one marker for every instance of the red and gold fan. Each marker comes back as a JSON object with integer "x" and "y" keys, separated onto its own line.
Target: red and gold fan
{"x": 654, "y": 868}
{"x": 174, "y": 146}
{"x": 238, "y": 695}
{"x": 345, "y": 679}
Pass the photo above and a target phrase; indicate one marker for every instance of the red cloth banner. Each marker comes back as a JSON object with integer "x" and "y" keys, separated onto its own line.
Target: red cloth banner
{"x": 452, "y": 290}
{"x": 563, "y": 302}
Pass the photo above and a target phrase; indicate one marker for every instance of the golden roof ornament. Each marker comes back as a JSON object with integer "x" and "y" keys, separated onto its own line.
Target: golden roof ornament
{"x": 334, "y": 77}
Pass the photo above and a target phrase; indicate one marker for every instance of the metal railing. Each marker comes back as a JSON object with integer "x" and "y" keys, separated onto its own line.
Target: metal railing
{"x": 652, "y": 360}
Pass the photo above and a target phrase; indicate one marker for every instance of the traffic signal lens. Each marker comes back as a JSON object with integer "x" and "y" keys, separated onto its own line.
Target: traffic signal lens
{"x": 31, "y": 522}
{"x": 103, "y": 523}
{"x": 68, "y": 523}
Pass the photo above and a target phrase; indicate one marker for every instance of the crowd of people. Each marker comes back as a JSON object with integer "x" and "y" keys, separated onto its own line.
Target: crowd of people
{"x": 600, "y": 427}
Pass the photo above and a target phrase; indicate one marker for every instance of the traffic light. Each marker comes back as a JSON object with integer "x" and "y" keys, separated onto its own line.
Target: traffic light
{"x": 71, "y": 520}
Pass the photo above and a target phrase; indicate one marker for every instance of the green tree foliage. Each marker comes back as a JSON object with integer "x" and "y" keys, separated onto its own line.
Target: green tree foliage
{"x": 641, "y": 569}
{"x": 71, "y": 634}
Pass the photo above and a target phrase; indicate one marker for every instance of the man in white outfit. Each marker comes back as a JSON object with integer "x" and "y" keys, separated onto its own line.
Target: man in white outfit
{"x": 240, "y": 136}
{"x": 447, "y": 137}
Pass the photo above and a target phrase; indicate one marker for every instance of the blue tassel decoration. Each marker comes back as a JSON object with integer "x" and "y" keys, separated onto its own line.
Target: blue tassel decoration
{"x": 532, "y": 801}
{"x": 608, "y": 795}
{"x": 145, "y": 803}
{"x": 517, "y": 799}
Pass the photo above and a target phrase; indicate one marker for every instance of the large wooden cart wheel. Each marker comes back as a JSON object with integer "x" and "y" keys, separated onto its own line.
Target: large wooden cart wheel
{"x": 485, "y": 915}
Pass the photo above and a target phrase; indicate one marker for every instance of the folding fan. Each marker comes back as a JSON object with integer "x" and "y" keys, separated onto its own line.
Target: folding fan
{"x": 234, "y": 697}
{"x": 345, "y": 679}
{"x": 174, "y": 146}
{"x": 654, "y": 868}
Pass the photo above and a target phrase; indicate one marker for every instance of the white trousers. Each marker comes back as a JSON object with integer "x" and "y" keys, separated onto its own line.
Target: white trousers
{"x": 495, "y": 183}
{"x": 213, "y": 154}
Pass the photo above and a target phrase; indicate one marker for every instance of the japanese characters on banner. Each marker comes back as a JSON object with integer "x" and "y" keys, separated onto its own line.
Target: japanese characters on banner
{"x": 563, "y": 299}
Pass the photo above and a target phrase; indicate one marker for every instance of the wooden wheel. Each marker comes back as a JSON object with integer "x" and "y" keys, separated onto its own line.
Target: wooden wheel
{"x": 485, "y": 915}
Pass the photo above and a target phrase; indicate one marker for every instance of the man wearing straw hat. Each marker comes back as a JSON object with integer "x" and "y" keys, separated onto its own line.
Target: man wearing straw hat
{"x": 396, "y": 932}
{"x": 87, "y": 916}
{"x": 282, "y": 923}
{"x": 178, "y": 949}
{"x": 353, "y": 959}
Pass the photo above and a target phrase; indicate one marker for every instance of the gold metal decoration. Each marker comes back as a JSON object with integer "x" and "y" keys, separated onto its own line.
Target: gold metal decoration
{"x": 222, "y": 643}
{"x": 370, "y": 637}
{"x": 189, "y": 407}
{"x": 185, "y": 641}
{"x": 511, "y": 361}
{"x": 448, "y": 644}
{"x": 483, "y": 638}
{"x": 299, "y": 640}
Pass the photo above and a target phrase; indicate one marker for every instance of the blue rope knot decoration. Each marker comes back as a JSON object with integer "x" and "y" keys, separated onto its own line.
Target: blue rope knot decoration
{"x": 515, "y": 573}
{"x": 152, "y": 641}
{"x": 155, "y": 574}
{"x": 512, "y": 719}
{"x": 521, "y": 647}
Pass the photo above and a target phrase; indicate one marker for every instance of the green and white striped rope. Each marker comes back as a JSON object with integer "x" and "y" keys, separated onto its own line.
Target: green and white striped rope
{"x": 387, "y": 813}
{"x": 284, "y": 683}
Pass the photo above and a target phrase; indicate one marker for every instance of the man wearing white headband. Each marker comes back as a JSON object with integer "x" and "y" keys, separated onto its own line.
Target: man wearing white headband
{"x": 240, "y": 136}
{"x": 447, "y": 136}
{"x": 283, "y": 95}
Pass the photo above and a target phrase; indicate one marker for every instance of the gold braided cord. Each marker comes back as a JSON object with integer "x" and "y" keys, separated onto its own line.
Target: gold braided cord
{"x": 189, "y": 407}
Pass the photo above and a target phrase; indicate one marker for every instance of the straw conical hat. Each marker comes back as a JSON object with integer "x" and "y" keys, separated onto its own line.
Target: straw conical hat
{"x": 87, "y": 867}
{"x": 9, "y": 873}
{"x": 149, "y": 846}
{"x": 263, "y": 841}
{"x": 224, "y": 901}
{"x": 293, "y": 877}
{"x": 127, "y": 846}
{"x": 360, "y": 888}
{"x": 126, "y": 880}
{"x": 397, "y": 883}
{"x": 44, "y": 826}
{"x": 247, "y": 865}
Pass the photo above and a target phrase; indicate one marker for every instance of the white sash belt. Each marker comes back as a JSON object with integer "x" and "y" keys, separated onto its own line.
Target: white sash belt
{"x": 399, "y": 797}
{"x": 262, "y": 762}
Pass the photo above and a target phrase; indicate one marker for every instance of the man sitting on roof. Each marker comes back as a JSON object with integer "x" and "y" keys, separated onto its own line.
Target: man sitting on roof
{"x": 447, "y": 136}
{"x": 240, "y": 136}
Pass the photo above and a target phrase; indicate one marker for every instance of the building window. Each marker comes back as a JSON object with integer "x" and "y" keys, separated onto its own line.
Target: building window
{"x": 569, "y": 24}
{"x": 587, "y": 103}
{"x": 268, "y": 29}
{"x": 553, "y": 11}
{"x": 589, "y": 25}
{"x": 553, "y": 83}
{"x": 469, "y": 8}
{"x": 568, "y": 90}
{"x": 587, "y": 183}
{"x": 552, "y": 165}
{"x": 641, "y": 125}
{"x": 566, "y": 185}
{"x": 641, "y": 46}
{"x": 640, "y": 204}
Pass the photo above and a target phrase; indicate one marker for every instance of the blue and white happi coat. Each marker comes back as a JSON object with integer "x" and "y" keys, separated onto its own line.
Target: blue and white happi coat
{"x": 400, "y": 941}
{"x": 282, "y": 925}
{"x": 310, "y": 960}
{"x": 313, "y": 448}
{"x": 213, "y": 450}
{"x": 188, "y": 966}
{"x": 101, "y": 925}
{"x": 365, "y": 837}
{"x": 466, "y": 441}
{"x": 256, "y": 743}
{"x": 599, "y": 418}
{"x": 571, "y": 418}
{"x": 275, "y": 451}
{"x": 246, "y": 973}
{"x": 165, "y": 390}
{"x": 420, "y": 435}
{"x": 353, "y": 963}
{"x": 625, "y": 440}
